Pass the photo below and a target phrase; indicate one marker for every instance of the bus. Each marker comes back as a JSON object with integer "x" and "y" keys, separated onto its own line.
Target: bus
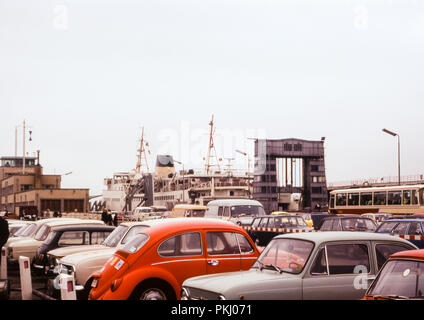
{"x": 396, "y": 200}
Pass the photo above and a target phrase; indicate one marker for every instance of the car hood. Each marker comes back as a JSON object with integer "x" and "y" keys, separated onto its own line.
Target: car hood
{"x": 61, "y": 252}
{"x": 241, "y": 282}
{"x": 76, "y": 258}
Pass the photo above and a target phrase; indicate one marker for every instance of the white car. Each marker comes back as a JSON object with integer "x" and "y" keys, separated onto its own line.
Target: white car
{"x": 28, "y": 246}
{"x": 84, "y": 264}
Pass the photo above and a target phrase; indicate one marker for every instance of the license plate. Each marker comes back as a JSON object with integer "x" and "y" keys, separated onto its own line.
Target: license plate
{"x": 94, "y": 283}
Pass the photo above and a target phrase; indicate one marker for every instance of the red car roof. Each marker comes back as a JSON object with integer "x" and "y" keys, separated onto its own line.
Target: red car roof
{"x": 414, "y": 254}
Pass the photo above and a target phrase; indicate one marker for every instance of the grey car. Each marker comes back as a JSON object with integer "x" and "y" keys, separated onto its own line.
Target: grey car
{"x": 318, "y": 266}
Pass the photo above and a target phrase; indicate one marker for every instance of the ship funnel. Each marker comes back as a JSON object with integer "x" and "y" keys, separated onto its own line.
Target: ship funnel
{"x": 164, "y": 165}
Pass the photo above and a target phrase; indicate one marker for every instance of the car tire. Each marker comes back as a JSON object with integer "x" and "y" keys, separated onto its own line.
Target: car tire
{"x": 153, "y": 290}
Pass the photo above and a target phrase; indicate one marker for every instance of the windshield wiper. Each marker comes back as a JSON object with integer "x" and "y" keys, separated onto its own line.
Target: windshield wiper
{"x": 267, "y": 266}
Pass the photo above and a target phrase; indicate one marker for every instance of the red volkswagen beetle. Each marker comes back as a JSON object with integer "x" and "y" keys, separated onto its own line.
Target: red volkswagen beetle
{"x": 401, "y": 277}
{"x": 154, "y": 264}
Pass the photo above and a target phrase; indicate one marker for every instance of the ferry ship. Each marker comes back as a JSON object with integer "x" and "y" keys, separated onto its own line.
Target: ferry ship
{"x": 167, "y": 187}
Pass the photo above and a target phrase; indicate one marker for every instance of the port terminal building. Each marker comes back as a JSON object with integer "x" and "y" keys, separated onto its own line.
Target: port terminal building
{"x": 25, "y": 189}
{"x": 289, "y": 174}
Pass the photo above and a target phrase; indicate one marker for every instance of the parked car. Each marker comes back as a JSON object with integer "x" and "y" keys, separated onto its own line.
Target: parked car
{"x": 400, "y": 278}
{"x": 188, "y": 210}
{"x": 411, "y": 229}
{"x": 347, "y": 223}
{"x": 28, "y": 246}
{"x": 32, "y": 228}
{"x": 304, "y": 266}
{"x": 317, "y": 218}
{"x": 80, "y": 235}
{"x": 83, "y": 261}
{"x": 239, "y": 211}
{"x": 264, "y": 228}
{"x": 172, "y": 252}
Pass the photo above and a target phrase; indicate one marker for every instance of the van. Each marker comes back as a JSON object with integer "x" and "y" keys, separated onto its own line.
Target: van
{"x": 239, "y": 211}
{"x": 188, "y": 210}
{"x": 145, "y": 213}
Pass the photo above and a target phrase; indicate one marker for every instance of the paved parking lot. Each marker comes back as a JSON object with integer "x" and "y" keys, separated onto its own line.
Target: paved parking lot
{"x": 15, "y": 284}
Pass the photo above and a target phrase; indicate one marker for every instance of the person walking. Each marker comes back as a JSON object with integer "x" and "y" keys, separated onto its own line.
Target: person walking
{"x": 4, "y": 232}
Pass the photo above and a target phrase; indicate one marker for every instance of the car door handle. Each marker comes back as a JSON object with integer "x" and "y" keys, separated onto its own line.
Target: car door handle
{"x": 213, "y": 262}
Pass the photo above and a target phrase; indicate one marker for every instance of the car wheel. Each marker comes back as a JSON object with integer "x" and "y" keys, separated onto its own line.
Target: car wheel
{"x": 153, "y": 290}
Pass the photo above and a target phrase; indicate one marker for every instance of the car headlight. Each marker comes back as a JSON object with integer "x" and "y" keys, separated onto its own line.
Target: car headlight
{"x": 185, "y": 294}
{"x": 221, "y": 297}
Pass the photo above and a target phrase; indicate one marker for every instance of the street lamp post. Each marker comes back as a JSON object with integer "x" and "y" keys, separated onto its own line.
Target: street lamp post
{"x": 248, "y": 158}
{"x": 394, "y": 135}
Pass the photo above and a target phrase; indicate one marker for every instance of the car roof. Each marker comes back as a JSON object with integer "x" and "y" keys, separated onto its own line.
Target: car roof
{"x": 403, "y": 220}
{"x": 87, "y": 227}
{"x": 234, "y": 202}
{"x": 291, "y": 215}
{"x": 170, "y": 225}
{"x": 324, "y": 236}
{"x": 409, "y": 254}
{"x": 190, "y": 206}
{"x": 60, "y": 222}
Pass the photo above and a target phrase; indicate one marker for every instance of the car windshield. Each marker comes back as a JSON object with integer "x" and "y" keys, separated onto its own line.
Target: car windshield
{"x": 136, "y": 243}
{"x": 285, "y": 255}
{"x": 288, "y": 222}
{"x": 25, "y": 231}
{"x": 198, "y": 213}
{"x": 246, "y": 210}
{"x": 355, "y": 224}
{"x": 400, "y": 279}
{"x": 42, "y": 233}
{"x": 386, "y": 227}
{"x": 115, "y": 236}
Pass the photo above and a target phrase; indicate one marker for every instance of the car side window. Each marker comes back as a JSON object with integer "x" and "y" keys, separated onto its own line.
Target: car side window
{"x": 244, "y": 244}
{"x": 271, "y": 223}
{"x": 98, "y": 237}
{"x": 319, "y": 267}
{"x": 401, "y": 228}
{"x": 263, "y": 223}
{"x": 384, "y": 251}
{"x": 343, "y": 258}
{"x": 415, "y": 229}
{"x": 185, "y": 244}
{"x": 327, "y": 225}
{"x": 220, "y": 210}
{"x": 222, "y": 243}
{"x": 255, "y": 223}
{"x": 227, "y": 212}
{"x": 73, "y": 238}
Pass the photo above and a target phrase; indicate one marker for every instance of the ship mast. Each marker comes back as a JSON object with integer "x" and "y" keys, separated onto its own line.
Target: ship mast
{"x": 142, "y": 153}
{"x": 211, "y": 149}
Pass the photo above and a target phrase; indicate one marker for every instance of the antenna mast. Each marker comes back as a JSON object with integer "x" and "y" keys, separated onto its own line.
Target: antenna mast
{"x": 210, "y": 149}
{"x": 142, "y": 153}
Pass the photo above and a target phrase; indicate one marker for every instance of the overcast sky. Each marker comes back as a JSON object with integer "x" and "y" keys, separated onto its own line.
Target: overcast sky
{"x": 87, "y": 75}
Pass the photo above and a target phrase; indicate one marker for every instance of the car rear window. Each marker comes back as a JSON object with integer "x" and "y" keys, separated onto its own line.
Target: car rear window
{"x": 136, "y": 243}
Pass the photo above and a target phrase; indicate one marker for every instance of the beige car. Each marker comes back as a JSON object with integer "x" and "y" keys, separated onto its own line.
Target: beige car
{"x": 85, "y": 263}
{"x": 31, "y": 229}
{"x": 28, "y": 246}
